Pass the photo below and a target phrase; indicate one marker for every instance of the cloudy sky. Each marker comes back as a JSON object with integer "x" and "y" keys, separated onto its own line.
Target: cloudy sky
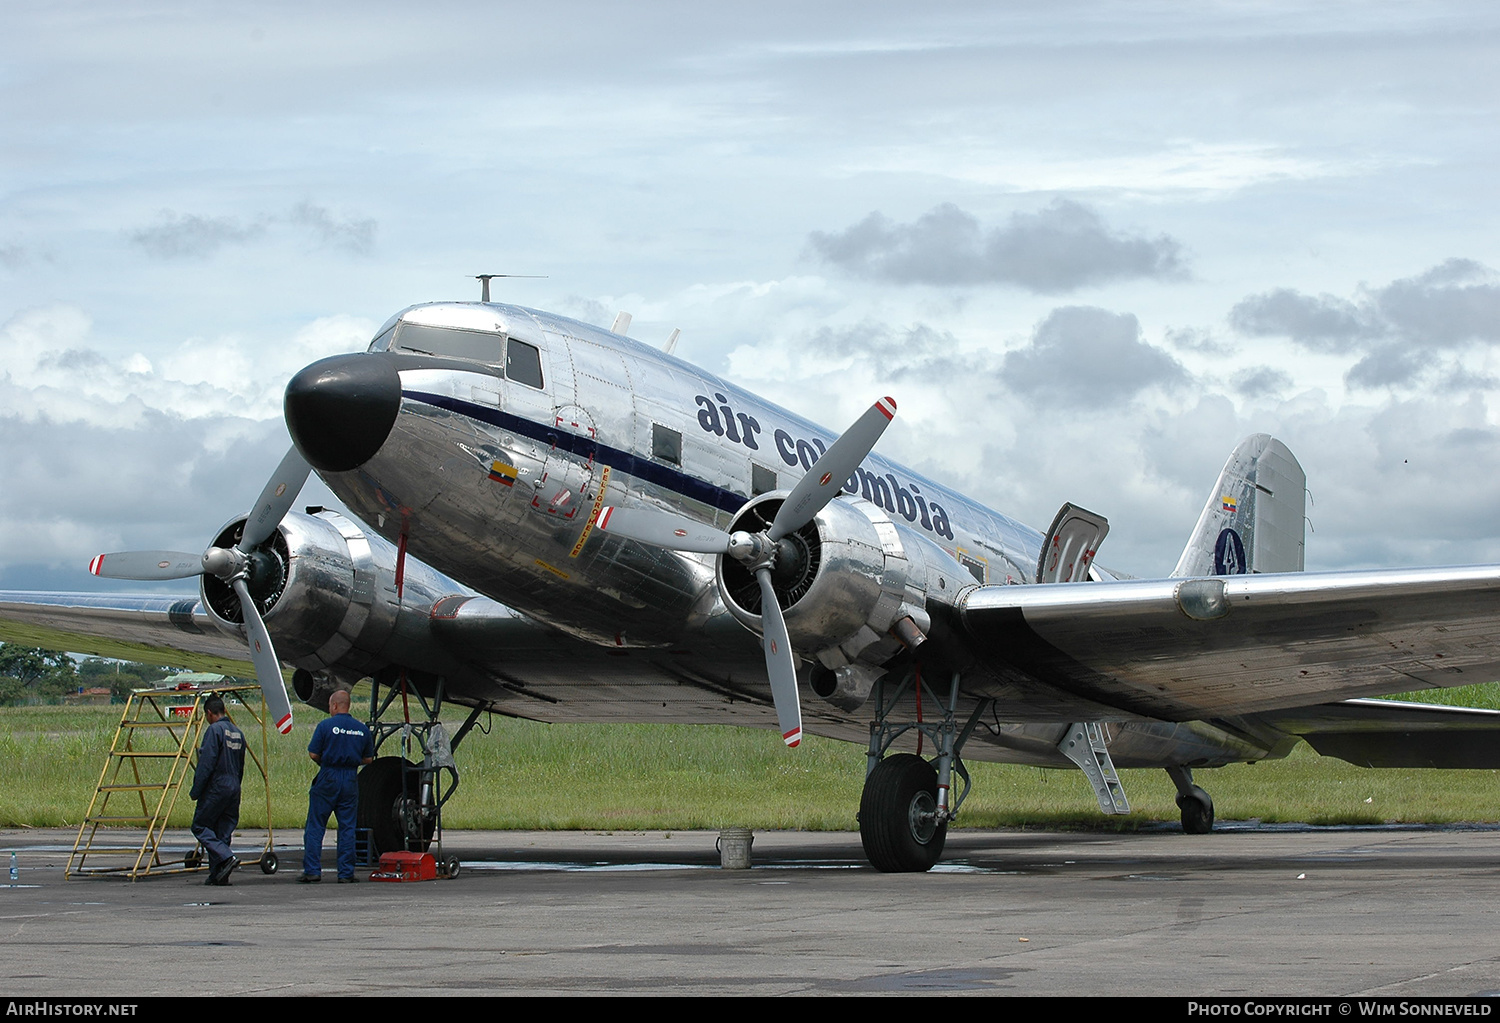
{"x": 1087, "y": 246}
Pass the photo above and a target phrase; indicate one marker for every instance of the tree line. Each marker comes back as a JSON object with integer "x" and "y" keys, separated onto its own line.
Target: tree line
{"x": 33, "y": 675}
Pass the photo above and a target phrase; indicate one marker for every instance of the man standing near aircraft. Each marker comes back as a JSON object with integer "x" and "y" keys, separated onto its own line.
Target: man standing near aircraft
{"x": 216, "y": 789}
{"x": 339, "y": 746}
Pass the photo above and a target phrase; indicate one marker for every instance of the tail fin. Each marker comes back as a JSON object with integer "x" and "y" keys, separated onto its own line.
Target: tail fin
{"x": 1253, "y": 521}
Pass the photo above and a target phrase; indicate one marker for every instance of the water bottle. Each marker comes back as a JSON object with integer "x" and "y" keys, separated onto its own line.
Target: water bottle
{"x": 15, "y": 871}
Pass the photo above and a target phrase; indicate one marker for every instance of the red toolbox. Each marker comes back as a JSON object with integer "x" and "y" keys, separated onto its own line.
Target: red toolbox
{"x": 406, "y": 866}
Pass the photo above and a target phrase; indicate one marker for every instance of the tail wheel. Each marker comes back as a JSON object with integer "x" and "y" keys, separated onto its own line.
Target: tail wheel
{"x": 898, "y": 815}
{"x": 1197, "y": 812}
{"x": 390, "y": 807}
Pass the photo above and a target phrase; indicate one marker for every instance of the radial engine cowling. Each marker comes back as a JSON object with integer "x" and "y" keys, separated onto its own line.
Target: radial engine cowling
{"x": 843, "y": 580}
{"x": 316, "y": 581}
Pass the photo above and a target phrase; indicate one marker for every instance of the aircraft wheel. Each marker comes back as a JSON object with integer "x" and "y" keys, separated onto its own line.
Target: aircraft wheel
{"x": 896, "y": 824}
{"x": 1197, "y": 812}
{"x": 268, "y": 863}
{"x": 389, "y": 811}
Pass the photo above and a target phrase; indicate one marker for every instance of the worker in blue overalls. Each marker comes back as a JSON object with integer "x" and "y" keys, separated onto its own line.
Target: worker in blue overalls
{"x": 216, "y": 789}
{"x": 339, "y": 746}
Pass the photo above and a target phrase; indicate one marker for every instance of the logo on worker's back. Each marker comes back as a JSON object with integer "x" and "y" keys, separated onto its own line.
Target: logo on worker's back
{"x": 1229, "y": 554}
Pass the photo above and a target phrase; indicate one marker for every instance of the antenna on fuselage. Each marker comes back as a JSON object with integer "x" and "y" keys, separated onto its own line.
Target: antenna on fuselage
{"x": 484, "y": 282}
{"x": 622, "y": 324}
{"x": 671, "y": 345}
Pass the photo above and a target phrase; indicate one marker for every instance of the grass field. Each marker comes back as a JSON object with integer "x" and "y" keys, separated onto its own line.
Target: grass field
{"x": 627, "y": 777}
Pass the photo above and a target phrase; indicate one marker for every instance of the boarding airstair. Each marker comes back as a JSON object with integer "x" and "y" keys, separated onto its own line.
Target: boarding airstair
{"x": 153, "y": 754}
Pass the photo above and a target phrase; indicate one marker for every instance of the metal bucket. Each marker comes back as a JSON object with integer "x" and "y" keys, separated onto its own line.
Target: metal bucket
{"x": 734, "y": 848}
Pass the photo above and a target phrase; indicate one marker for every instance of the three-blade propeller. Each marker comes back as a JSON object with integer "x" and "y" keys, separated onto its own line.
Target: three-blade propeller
{"x": 760, "y": 552}
{"x": 232, "y": 565}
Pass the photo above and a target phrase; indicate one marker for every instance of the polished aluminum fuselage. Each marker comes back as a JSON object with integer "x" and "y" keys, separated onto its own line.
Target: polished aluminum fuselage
{"x": 498, "y": 484}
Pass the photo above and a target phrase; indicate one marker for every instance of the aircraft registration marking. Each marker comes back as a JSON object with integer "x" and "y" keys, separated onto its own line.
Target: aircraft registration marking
{"x": 588, "y": 527}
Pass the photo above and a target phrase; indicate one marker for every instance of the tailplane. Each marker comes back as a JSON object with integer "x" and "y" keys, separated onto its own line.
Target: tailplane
{"x": 1254, "y": 519}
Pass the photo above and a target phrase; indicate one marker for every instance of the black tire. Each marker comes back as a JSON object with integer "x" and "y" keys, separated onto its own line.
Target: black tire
{"x": 901, "y": 788}
{"x": 268, "y": 863}
{"x": 193, "y": 860}
{"x": 451, "y": 867}
{"x": 388, "y": 792}
{"x": 1197, "y": 812}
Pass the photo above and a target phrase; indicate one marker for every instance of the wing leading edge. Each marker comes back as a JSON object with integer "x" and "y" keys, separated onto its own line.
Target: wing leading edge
{"x": 1187, "y": 649}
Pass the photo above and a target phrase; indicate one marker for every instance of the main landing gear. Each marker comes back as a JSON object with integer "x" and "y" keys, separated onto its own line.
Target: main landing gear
{"x": 1196, "y": 806}
{"x": 401, "y": 797}
{"x": 905, "y": 809}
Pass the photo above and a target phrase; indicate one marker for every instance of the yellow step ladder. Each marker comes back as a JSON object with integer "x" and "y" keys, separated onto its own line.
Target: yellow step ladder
{"x": 154, "y": 752}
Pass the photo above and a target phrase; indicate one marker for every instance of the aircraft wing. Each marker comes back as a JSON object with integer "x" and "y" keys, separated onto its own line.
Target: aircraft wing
{"x": 154, "y": 629}
{"x": 1193, "y": 649}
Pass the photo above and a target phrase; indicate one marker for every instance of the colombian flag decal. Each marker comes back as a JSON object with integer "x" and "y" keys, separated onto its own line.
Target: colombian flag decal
{"x": 503, "y": 473}
{"x": 1229, "y": 503}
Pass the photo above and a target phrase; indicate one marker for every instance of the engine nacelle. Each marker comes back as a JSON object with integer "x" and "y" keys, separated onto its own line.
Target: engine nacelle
{"x": 327, "y": 592}
{"x": 847, "y": 582}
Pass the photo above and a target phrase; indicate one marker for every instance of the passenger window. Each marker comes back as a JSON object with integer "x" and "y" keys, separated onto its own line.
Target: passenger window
{"x": 666, "y": 445}
{"x": 446, "y": 341}
{"x": 523, "y": 363}
{"x": 762, "y": 480}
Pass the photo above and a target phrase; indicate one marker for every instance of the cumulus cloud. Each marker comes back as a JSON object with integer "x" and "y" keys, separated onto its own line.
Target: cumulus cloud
{"x": 351, "y": 235}
{"x": 1396, "y": 329}
{"x": 1059, "y": 248}
{"x": 190, "y": 236}
{"x": 1083, "y": 355}
{"x": 108, "y": 451}
{"x": 1261, "y": 381}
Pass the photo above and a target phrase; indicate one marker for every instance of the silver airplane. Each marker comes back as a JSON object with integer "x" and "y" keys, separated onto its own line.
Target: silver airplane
{"x": 556, "y": 522}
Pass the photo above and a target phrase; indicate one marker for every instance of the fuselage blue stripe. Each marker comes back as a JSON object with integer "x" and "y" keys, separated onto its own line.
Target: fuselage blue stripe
{"x": 587, "y": 447}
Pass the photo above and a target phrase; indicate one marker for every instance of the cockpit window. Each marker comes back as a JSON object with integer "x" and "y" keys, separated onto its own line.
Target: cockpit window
{"x": 451, "y": 343}
{"x": 383, "y": 339}
{"x": 523, "y": 363}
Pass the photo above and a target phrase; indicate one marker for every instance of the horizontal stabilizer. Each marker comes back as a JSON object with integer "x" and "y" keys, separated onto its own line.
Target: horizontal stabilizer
{"x": 1390, "y": 733}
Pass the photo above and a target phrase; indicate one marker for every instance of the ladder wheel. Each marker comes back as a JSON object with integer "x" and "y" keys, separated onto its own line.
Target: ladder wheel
{"x": 895, "y": 822}
{"x": 451, "y": 867}
{"x": 268, "y": 863}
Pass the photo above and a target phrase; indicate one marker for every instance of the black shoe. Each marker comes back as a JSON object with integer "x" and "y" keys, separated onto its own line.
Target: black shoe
{"x": 348, "y": 880}
{"x": 310, "y": 879}
{"x": 221, "y": 876}
{"x": 222, "y": 882}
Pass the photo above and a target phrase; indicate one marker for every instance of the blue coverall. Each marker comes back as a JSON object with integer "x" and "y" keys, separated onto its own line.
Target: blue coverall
{"x": 342, "y": 743}
{"x": 216, "y": 790}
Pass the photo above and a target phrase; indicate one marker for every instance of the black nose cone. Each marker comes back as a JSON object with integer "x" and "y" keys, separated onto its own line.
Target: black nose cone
{"x": 341, "y": 410}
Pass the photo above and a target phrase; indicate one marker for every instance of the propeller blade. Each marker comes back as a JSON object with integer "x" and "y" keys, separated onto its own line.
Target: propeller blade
{"x": 663, "y": 529}
{"x": 275, "y": 501}
{"x": 780, "y": 664}
{"x": 146, "y": 565}
{"x": 829, "y": 473}
{"x": 267, "y": 667}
